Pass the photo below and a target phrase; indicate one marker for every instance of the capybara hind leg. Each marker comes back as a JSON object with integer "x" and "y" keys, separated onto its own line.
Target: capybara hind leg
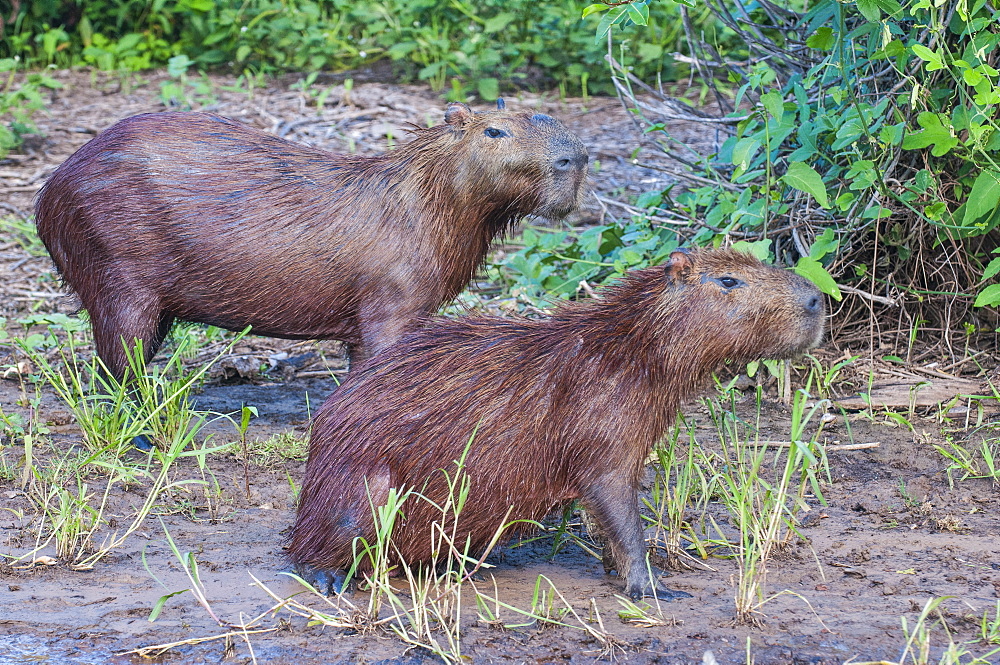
{"x": 615, "y": 504}
{"x": 116, "y": 332}
{"x": 162, "y": 330}
{"x": 328, "y": 582}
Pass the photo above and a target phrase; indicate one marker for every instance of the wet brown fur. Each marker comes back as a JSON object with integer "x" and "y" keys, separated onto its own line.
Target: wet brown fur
{"x": 563, "y": 408}
{"x": 197, "y": 217}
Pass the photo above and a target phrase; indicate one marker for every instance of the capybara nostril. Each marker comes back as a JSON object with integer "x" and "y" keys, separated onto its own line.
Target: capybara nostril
{"x": 814, "y": 305}
{"x": 575, "y": 161}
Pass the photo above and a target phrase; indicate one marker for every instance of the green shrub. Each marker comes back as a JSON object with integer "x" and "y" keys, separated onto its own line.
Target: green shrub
{"x": 469, "y": 47}
{"x": 20, "y": 99}
{"x": 862, "y": 148}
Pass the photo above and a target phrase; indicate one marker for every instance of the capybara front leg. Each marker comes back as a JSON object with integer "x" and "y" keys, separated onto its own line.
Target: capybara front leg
{"x": 381, "y": 326}
{"x": 615, "y": 504}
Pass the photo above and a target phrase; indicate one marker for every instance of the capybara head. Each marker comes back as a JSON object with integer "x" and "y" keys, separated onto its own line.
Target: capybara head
{"x": 740, "y": 309}
{"x": 529, "y": 158}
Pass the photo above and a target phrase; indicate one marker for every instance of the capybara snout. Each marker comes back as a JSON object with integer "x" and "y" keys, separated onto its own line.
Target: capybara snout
{"x": 535, "y": 158}
{"x": 557, "y": 409}
{"x": 197, "y": 217}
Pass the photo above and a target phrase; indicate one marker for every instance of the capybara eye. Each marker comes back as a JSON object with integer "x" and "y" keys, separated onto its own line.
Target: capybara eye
{"x": 494, "y": 133}
{"x": 728, "y": 282}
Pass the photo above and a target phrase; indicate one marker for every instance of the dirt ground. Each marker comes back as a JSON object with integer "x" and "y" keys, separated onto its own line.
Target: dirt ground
{"x": 897, "y": 529}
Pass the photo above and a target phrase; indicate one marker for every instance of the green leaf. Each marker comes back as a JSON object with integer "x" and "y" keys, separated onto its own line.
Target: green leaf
{"x": 845, "y": 201}
{"x": 923, "y": 179}
{"x": 489, "y": 88}
{"x": 744, "y": 151}
{"x": 758, "y": 248}
{"x": 649, "y": 53}
{"x": 607, "y": 21}
{"x": 178, "y": 65}
{"x": 992, "y": 269}
{"x": 498, "y": 22}
{"x": 593, "y": 9}
{"x": 804, "y": 178}
{"x": 198, "y": 5}
{"x": 825, "y": 243}
{"x": 984, "y": 197}
{"x": 822, "y": 39}
{"x": 972, "y": 77}
{"x": 774, "y": 103}
{"x": 869, "y": 9}
{"x": 638, "y": 13}
{"x": 401, "y": 50}
{"x": 649, "y": 200}
{"x": 933, "y": 133}
{"x": 892, "y": 134}
{"x": 631, "y": 256}
{"x": 814, "y": 271}
{"x": 988, "y": 297}
{"x": 895, "y": 48}
{"x": 158, "y": 607}
{"x": 933, "y": 58}
{"x": 213, "y": 38}
{"x": 890, "y": 7}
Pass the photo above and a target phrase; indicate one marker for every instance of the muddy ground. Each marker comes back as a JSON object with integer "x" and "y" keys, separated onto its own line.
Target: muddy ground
{"x": 896, "y": 531}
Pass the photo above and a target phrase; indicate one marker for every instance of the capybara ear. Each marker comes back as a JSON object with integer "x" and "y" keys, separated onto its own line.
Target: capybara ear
{"x": 457, "y": 114}
{"x": 678, "y": 266}
{"x": 500, "y": 104}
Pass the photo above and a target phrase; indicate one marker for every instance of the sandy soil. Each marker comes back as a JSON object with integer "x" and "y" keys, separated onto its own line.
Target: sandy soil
{"x": 895, "y": 531}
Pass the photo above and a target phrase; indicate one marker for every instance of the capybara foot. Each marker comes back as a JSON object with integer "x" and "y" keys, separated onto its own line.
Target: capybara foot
{"x": 143, "y": 443}
{"x": 328, "y": 582}
{"x": 654, "y": 590}
{"x": 445, "y": 567}
{"x": 661, "y": 592}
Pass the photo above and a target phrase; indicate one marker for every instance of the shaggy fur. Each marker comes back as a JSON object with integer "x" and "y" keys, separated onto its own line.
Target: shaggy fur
{"x": 196, "y": 217}
{"x": 563, "y": 408}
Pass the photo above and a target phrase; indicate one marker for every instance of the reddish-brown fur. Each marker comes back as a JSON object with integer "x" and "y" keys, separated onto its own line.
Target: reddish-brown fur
{"x": 563, "y": 408}
{"x": 196, "y": 217}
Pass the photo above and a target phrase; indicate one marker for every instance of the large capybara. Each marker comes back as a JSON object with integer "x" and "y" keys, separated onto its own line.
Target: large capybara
{"x": 196, "y": 217}
{"x": 562, "y": 408}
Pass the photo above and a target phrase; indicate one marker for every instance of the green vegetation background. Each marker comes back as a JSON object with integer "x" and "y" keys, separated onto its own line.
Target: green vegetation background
{"x": 859, "y": 139}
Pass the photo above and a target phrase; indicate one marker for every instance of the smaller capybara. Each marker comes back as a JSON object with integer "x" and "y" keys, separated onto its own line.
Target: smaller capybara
{"x": 562, "y": 408}
{"x": 196, "y": 217}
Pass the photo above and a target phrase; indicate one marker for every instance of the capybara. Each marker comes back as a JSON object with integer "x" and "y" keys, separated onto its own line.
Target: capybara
{"x": 197, "y": 217}
{"x": 561, "y": 408}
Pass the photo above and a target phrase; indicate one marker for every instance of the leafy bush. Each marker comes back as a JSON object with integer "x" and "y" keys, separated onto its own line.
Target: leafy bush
{"x": 472, "y": 47}
{"x": 861, "y": 145}
{"x": 555, "y": 262}
{"x": 19, "y": 101}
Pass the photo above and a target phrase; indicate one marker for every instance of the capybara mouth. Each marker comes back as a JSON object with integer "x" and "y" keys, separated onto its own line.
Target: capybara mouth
{"x": 557, "y": 211}
{"x": 558, "y": 207}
